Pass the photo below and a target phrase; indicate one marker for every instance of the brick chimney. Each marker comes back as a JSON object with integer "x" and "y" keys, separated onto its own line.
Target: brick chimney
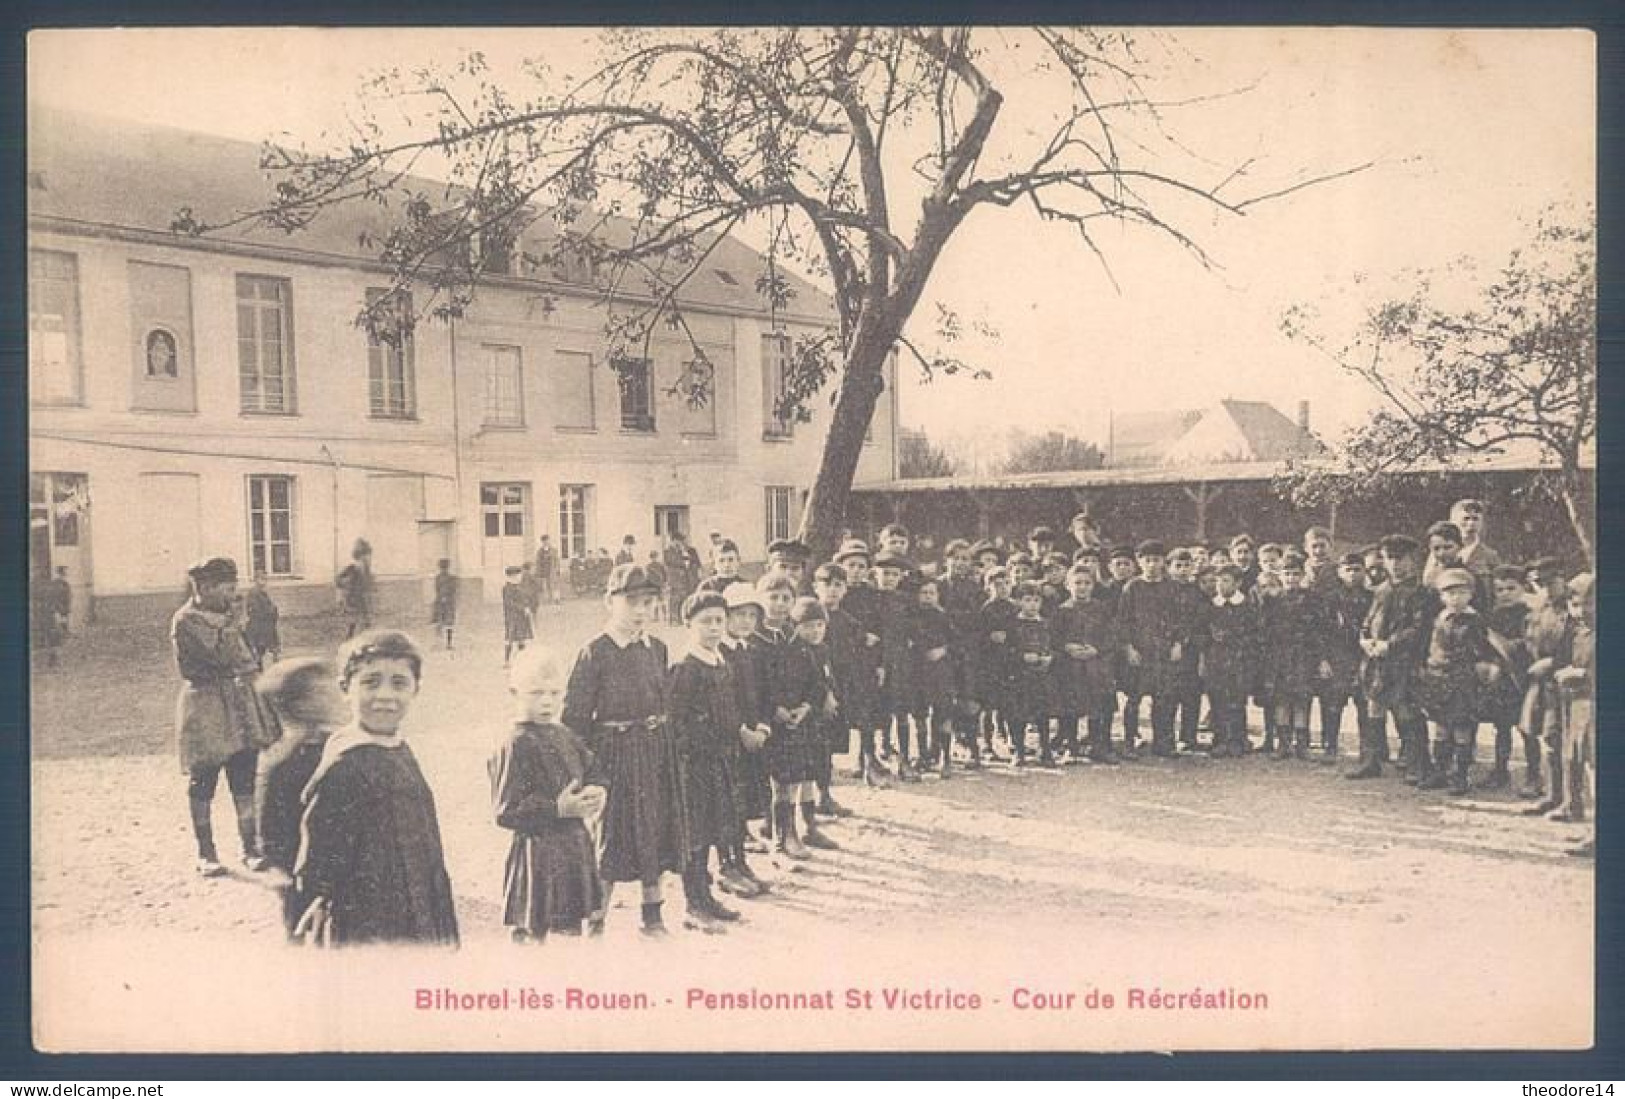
{"x": 1303, "y": 416}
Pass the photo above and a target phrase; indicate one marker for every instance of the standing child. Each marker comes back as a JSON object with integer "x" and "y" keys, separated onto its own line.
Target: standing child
{"x": 356, "y": 585}
{"x": 1392, "y": 640}
{"x": 1267, "y": 587}
{"x": 897, "y": 659}
{"x": 371, "y": 862}
{"x": 1345, "y": 605}
{"x": 1507, "y": 621}
{"x": 1230, "y": 654}
{"x": 1576, "y": 679}
{"x": 854, "y": 690}
{"x": 933, "y": 678}
{"x": 1151, "y": 615}
{"x": 801, "y": 699}
{"x": 1032, "y": 652}
{"x": 1295, "y": 637}
{"x": 1085, "y": 645}
{"x": 444, "y": 615}
{"x": 1459, "y": 661}
{"x": 1548, "y": 635}
{"x": 868, "y": 608}
{"x": 750, "y": 777}
{"x": 1185, "y": 685}
{"x": 961, "y": 595}
{"x": 304, "y": 695}
{"x": 260, "y": 627}
{"x": 993, "y": 664}
{"x": 659, "y": 574}
{"x": 706, "y": 720}
{"x": 725, "y": 560}
{"x": 616, "y": 699}
{"x": 516, "y": 621}
{"x": 544, "y": 789}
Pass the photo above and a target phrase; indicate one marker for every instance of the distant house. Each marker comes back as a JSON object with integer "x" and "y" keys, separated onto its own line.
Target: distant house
{"x": 1229, "y": 431}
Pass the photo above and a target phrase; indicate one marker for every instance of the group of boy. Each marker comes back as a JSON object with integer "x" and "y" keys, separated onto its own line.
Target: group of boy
{"x": 952, "y": 660}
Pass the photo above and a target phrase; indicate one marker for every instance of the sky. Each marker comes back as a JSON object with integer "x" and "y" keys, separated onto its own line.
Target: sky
{"x": 1470, "y": 134}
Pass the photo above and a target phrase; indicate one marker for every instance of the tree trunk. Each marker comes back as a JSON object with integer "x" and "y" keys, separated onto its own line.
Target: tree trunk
{"x": 821, "y": 523}
{"x": 1577, "y": 519}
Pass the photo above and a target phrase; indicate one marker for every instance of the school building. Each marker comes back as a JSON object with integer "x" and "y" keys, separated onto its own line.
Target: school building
{"x": 200, "y": 396}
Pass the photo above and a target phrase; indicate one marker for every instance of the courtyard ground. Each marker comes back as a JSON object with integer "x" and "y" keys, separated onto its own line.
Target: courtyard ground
{"x": 1368, "y": 914}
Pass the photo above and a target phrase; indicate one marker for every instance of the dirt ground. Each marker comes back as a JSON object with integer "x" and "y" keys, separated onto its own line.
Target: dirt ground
{"x": 1356, "y": 902}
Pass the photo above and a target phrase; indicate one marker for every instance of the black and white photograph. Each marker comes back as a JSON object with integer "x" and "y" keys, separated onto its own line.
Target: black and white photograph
{"x": 816, "y": 538}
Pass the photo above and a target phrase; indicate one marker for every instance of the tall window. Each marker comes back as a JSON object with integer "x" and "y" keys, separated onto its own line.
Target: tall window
{"x": 572, "y": 391}
{"x": 265, "y": 344}
{"x": 775, "y": 385}
{"x": 54, "y": 374}
{"x": 637, "y": 394}
{"x": 573, "y": 503}
{"x": 781, "y": 501}
{"x": 270, "y": 524}
{"x": 391, "y": 388}
{"x": 504, "y": 389}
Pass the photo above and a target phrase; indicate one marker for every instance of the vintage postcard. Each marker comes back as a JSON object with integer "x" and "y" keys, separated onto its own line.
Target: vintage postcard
{"x": 821, "y": 538}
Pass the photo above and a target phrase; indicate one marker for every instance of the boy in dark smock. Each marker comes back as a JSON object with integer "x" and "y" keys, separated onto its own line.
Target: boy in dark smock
{"x": 617, "y": 698}
{"x": 544, "y": 789}
{"x": 801, "y": 699}
{"x": 1152, "y": 621}
{"x": 305, "y": 696}
{"x": 1230, "y": 644}
{"x": 1392, "y": 639}
{"x": 1085, "y": 642}
{"x": 751, "y": 796}
{"x": 854, "y": 690}
{"x": 706, "y": 720}
{"x": 370, "y": 858}
{"x": 863, "y": 709}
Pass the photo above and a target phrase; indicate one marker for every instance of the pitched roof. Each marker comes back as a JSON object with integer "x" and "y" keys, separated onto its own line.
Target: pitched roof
{"x": 112, "y": 173}
{"x": 1137, "y": 438}
{"x": 1271, "y": 436}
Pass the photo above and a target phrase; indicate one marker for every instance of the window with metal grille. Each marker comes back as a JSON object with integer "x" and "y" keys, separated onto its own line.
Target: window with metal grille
{"x": 781, "y": 501}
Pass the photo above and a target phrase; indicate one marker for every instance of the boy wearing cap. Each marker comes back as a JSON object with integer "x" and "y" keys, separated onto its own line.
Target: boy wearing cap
{"x": 801, "y": 702}
{"x": 1444, "y": 543}
{"x": 517, "y": 627}
{"x": 706, "y": 720}
{"x": 1185, "y": 686}
{"x": 1155, "y": 634}
{"x": 1032, "y": 652}
{"x": 1346, "y": 605}
{"x": 962, "y": 594}
{"x": 993, "y": 664}
{"x": 1459, "y": 662}
{"x": 616, "y": 700}
{"x": 1040, "y": 543}
{"x": 751, "y": 792}
{"x": 1230, "y": 638}
{"x": 1121, "y": 568}
{"x": 1295, "y": 633}
{"x": 1549, "y": 635}
{"x": 867, "y": 606}
{"x": 896, "y": 654}
{"x": 1392, "y": 640}
{"x": 854, "y": 696}
{"x": 1085, "y": 643}
{"x": 220, "y": 720}
{"x": 1507, "y": 622}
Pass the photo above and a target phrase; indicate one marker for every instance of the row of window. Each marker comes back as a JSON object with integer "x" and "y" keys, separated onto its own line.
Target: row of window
{"x": 504, "y": 514}
{"x": 267, "y": 377}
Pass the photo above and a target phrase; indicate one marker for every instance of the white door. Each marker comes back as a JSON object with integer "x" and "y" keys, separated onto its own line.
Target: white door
{"x": 505, "y": 531}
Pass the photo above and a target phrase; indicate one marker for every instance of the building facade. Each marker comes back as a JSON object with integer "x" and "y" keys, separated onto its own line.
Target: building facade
{"x": 200, "y": 396}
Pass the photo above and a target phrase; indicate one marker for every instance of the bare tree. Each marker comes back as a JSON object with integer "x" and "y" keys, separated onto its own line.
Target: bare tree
{"x": 811, "y": 137}
{"x": 1517, "y": 367}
